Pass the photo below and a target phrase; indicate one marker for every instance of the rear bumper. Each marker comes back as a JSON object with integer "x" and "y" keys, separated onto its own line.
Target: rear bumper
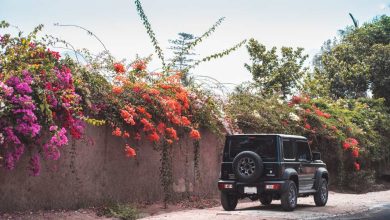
{"x": 276, "y": 186}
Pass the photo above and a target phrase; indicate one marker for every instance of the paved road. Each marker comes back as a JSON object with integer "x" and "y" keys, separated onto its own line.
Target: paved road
{"x": 378, "y": 212}
{"x": 375, "y": 205}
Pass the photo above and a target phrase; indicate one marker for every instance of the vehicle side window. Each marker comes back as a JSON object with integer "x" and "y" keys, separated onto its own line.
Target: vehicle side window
{"x": 288, "y": 149}
{"x": 303, "y": 151}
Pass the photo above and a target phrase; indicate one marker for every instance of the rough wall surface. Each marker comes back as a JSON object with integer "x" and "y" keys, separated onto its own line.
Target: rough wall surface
{"x": 92, "y": 174}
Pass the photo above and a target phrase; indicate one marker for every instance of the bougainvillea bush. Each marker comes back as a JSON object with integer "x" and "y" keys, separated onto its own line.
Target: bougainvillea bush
{"x": 151, "y": 105}
{"x": 45, "y": 99}
{"x": 351, "y": 134}
{"x": 39, "y": 107}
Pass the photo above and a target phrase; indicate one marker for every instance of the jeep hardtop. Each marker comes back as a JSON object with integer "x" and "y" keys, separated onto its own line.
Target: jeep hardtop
{"x": 270, "y": 167}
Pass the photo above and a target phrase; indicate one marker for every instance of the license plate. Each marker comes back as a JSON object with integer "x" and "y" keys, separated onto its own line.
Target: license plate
{"x": 250, "y": 190}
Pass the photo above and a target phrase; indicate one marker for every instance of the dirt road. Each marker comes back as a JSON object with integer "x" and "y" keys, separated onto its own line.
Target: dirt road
{"x": 348, "y": 206}
{"x": 374, "y": 205}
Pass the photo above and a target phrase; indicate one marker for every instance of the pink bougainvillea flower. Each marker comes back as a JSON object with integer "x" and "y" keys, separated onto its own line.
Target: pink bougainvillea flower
{"x": 357, "y": 166}
{"x": 307, "y": 126}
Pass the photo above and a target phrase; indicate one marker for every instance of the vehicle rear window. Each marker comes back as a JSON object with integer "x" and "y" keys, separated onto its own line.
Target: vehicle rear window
{"x": 263, "y": 146}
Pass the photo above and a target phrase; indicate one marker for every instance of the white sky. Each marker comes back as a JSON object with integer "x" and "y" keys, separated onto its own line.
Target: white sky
{"x": 303, "y": 23}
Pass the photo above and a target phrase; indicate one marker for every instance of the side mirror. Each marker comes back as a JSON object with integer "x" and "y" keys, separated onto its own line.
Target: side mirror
{"x": 316, "y": 156}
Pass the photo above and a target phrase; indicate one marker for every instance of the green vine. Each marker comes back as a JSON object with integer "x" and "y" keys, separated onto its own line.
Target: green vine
{"x": 196, "y": 41}
{"x": 216, "y": 55}
{"x": 196, "y": 159}
{"x": 166, "y": 172}
{"x": 150, "y": 32}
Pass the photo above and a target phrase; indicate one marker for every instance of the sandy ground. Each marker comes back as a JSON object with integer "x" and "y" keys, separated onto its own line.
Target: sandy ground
{"x": 340, "y": 205}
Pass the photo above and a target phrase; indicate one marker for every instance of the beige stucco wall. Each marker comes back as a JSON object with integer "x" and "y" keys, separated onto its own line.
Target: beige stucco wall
{"x": 92, "y": 174}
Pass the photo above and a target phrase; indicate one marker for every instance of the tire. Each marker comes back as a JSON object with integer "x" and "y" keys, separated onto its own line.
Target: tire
{"x": 228, "y": 201}
{"x": 248, "y": 166}
{"x": 321, "y": 196}
{"x": 289, "y": 197}
{"x": 266, "y": 199}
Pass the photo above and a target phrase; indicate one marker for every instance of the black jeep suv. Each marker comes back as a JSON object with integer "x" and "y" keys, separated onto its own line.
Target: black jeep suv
{"x": 271, "y": 166}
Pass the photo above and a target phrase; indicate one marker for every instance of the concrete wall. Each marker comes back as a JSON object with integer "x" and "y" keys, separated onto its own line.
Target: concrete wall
{"x": 92, "y": 174}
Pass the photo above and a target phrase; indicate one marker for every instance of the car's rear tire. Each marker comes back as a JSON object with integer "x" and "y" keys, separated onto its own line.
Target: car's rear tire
{"x": 289, "y": 197}
{"x": 228, "y": 201}
{"x": 266, "y": 199}
{"x": 248, "y": 166}
{"x": 321, "y": 196}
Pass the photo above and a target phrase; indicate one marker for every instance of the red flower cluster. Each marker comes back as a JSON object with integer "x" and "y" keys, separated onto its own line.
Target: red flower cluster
{"x": 119, "y": 68}
{"x": 154, "y": 107}
{"x": 130, "y": 152}
{"x": 321, "y": 114}
{"x": 350, "y": 143}
{"x": 357, "y": 166}
{"x": 139, "y": 65}
{"x": 194, "y": 134}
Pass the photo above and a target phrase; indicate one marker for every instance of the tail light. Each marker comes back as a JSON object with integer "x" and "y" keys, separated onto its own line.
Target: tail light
{"x": 222, "y": 186}
{"x": 273, "y": 186}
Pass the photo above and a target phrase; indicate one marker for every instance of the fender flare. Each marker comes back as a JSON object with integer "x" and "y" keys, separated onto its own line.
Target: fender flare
{"x": 320, "y": 172}
{"x": 287, "y": 174}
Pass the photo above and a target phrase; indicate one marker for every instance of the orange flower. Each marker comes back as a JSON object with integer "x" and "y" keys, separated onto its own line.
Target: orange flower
{"x": 169, "y": 141}
{"x": 147, "y": 115}
{"x": 119, "y": 68}
{"x": 165, "y": 86}
{"x": 154, "y": 92}
{"x": 185, "y": 121}
{"x": 147, "y": 125}
{"x": 141, "y": 110}
{"x": 182, "y": 96}
{"x": 130, "y": 152}
{"x": 137, "y": 89}
{"x": 117, "y": 90}
{"x": 117, "y": 132}
{"x": 153, "y": 137}
{"x": 161, "y": 127}
{"x": 147, "y": 98}
{"x": 175, "y": 120}
{"x": 126, "y": 134}
{"x": 127, "y": 116}
{"x": 171, "y": 132}
{"x": 139, "y": 65}
{"x": 194, "y": 134}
